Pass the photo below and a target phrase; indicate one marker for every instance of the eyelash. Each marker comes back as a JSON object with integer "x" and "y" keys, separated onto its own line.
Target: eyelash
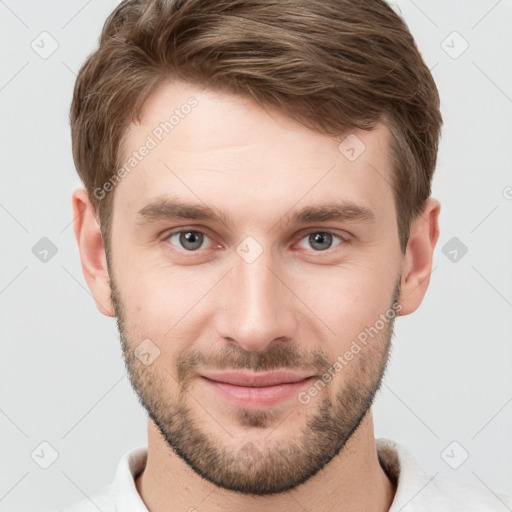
{"x": 342, "y": 239}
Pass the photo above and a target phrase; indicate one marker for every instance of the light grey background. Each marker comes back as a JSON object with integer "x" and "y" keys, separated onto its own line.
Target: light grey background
{"x": 62, "y": 377}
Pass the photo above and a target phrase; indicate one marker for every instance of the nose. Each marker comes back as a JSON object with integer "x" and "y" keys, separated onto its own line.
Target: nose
{"x": 256, "y": 304}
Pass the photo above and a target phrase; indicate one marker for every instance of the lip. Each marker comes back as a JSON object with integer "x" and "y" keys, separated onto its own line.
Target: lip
{"x": 256, "y": 391}
{"x": 251, "y": 379}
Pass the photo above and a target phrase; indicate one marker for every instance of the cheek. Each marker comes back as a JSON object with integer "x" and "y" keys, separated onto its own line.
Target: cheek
{"x": 347, "y": 299}
{"x": 163, "y": 303}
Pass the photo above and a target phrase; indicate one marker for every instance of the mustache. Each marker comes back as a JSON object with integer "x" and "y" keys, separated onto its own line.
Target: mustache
{"x": 277, "y": 356}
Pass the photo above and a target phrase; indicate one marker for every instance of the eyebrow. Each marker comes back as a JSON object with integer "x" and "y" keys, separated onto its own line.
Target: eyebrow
{"x": 176, "y": 209}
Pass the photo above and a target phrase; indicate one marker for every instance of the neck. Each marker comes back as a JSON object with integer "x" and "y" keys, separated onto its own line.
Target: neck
{"x": 353, "y": 480}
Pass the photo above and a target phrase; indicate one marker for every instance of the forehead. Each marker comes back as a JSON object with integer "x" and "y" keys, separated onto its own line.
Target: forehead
{"x": 227, "y": 151}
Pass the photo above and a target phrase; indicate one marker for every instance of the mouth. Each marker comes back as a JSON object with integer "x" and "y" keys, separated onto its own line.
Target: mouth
{"x": 256, "y": 390}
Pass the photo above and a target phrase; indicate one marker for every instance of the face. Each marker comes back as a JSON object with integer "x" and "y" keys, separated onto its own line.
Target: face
{"x": 246, "y": 245}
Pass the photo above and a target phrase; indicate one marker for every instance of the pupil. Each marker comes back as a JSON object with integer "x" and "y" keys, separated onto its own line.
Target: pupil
{"x": 192, "y": 239}
{"x": 319, "y": 238}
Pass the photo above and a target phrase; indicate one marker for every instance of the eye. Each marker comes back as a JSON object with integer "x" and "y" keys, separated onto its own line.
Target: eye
{"x": 321, "y": 240}
{"x": 190, "y": 240}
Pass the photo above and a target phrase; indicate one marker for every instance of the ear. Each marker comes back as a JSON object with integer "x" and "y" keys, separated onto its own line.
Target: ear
{"x": 417, "y": 261}
{"x": 92, "y": 251}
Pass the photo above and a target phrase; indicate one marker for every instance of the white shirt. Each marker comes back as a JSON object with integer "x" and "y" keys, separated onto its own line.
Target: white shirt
{"x": 416, "y": 491}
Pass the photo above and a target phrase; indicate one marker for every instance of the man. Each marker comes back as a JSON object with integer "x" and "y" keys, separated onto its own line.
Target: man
{"x": 256, "y": 213}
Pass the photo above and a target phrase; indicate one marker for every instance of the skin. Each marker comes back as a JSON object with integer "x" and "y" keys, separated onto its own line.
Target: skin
{"x": 294, "y": 307}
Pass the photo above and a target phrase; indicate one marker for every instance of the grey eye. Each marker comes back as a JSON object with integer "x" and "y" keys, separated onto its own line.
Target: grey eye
{"x": 189, "y": 240}
{"x": 321, "y": 240}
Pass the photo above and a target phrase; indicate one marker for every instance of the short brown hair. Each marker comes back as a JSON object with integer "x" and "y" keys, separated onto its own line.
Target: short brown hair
{"x": 333, "y": 65}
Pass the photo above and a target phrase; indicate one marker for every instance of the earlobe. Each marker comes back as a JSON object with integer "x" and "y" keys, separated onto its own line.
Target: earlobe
{"x": 92, "y": 251}
{"x": 417, "y": 261}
